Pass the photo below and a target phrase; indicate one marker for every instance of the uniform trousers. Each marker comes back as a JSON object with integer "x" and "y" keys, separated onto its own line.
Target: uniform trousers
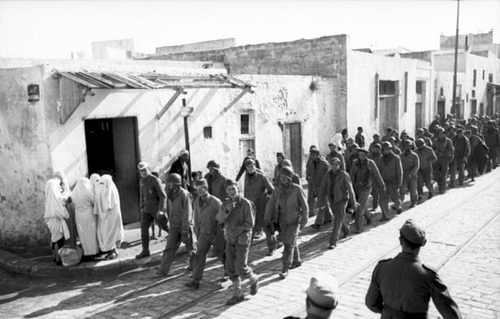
{"x": 324, "y": 213}
{"x": 289, "y": 235}
{"x": 409, "y": 183}
{"x": 203, "y": 244}
{"x": 338, "y": 222}
{"x": 441, "y": 172}
{"x": 457, "y": 165}
{"x": 146, "y": 220}
{"x": 493, "y": 161}
{"x": 362, "y": 199}
{"x": 375, "y": 196}
{"x": 237, "y": 261}
{"x": 424, "y": 177}
{"x": 174, "y": 240}
{"x": 392, "y": 192}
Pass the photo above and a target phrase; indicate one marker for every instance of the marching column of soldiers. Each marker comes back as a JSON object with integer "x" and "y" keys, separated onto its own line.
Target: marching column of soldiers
{"x": 213, "y": 214}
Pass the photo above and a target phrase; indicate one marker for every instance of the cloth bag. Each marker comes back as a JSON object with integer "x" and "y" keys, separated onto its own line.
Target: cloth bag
{"x": 70, "y": 256}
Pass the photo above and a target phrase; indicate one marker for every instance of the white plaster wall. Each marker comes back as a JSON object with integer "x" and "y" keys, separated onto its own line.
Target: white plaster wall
{"x": 362, "y": 68}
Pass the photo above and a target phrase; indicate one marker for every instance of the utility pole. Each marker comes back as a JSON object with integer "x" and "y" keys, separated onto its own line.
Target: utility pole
{"x": 454, "y": 97}
{"x": 186, "y": 137}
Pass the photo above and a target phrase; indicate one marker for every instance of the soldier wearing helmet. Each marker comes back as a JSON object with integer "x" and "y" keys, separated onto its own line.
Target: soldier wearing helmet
{"x": 288, "y": 208}
{"x": 426, "y": 157}
{"x": 443, "y": 147}
{"x": 401, "y": 287}
{"x": 389, "y": 166}
{"x": 180, "y": 214}
{"x": 410, "y": 163}
{"x": 216, "y": 180}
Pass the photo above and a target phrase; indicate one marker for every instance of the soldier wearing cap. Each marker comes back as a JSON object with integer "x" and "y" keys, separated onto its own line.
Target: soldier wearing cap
{"x": 153, "y": 204}
{"x": 334, "y": 153}
{"x": 336, "y": 187}
{"x": 288, "y": 208}
{"x": 410, "y": 163}
{"x": 180, "y": 166}
{"x": 364, "y": 173}
{"x": 322, "y": 296}
{"x": 391, "y": 171}
{"x": 279, "y": 158}
{"x": 180, "y": 214}
{"x": 257, "y": 189}
{"x": 317, "y": 168}
{"x": 426, "y": 157}
{"x": 206, "y": 208}
{"x": 237, "y": 215}
{"x": 443, "y": 147}
{"x": 401, "y": 287}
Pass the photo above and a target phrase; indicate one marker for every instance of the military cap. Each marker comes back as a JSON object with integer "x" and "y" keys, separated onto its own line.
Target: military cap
{"x": 287, "y": 172}
{"x": 213, "y": 164}
{"x": 386, "y": 145}
{"x": 230, "y": 182}
{"x": 314, "y": 149}
{"x": 201, "y": 183}
{"x": 323, "y": 291}
{"x": 249, "y": 162}
{"x": 142, "y": 166}
{"x": 362, "y": 149}
{"x": 335, "y": 160}
{"x": 413, "y": 232}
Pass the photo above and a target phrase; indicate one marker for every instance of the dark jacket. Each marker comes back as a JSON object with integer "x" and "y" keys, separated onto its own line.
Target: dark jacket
{"x": 404, "y": 284}
{"x": 242, "y": 168}
{"x": 153, "y": 197}
{"x": 444, "y": 148}
{"x": 238, "y": 217}
{"x": 288, "y": 206}
{"x": 410, "y": 163}
{"x": 492, "y": 137}
{"x": 336, "y": 154}
{"x": 180, "y": 210}
{"x": 257, "y": 187}
{"x": 336, "y": 187}
{"x": 205, "y": 212}
{"x": 363, "y": 174}
{"x": 390, "y": 169}
{"x": 426, "y": 156}
{"x": 181, "y": 168}
{"x": 462, "y": 147}
{"x": 217, "y": 185}
{"x": 316, "y": 171}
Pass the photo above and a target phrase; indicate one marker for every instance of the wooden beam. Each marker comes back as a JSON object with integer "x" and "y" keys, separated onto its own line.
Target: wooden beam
{"x": 236, "y": 99}
{"x": 170, "y": 102}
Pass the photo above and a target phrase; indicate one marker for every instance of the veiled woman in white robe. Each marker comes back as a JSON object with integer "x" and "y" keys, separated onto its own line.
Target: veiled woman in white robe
{"x": 110, "y": 233}
{"x": 55, "y": 216}
{"x": 86, "y": 222}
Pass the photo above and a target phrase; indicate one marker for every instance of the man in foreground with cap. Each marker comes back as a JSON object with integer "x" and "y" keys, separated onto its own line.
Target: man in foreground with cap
{"x": 153, "y": 204}
{"x": 237, "y": 215}
{"x": 401, "y": 287}
{"x": 206, "y": 208}
{"x": 322, "y": 297}
{"x": 257, "y": 189}
{"x": 410, "y": 163}
{"x": 180, "y": 214}
{"x": 337, "y": 188}
{"x": 288, "y": 208}
{"x": 180, "y": 166}
{"x": 364, "y": 174}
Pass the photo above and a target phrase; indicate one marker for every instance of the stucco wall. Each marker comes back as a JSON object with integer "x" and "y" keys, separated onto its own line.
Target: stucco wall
{"x": 25, "y": 158}
{"x": 362, "y": 68}
{"x": 40, "y": 144}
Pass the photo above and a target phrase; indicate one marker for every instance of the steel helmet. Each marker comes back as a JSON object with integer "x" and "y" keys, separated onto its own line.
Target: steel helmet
{"x": 287, "y": 172}
{"x": 174, "y": 179}
{"x": 213, "y": 164}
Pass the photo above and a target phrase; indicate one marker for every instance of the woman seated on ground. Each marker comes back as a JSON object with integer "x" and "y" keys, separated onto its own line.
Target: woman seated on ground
{"x": 110, "y": 233}
{"x": 55, "y": 215}
{"x": 86, "y": 222}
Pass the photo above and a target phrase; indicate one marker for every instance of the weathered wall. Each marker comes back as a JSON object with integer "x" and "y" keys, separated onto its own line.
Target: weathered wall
{"x": 321, "y": 56}
{"x": 445, "y": 61}
{"x": 211, "y": 45}
{"x": 362, "y": 68}
{"x": 113, "y": 49}
{"x": 25, "y": 158}
{"x": 43, "y": 145}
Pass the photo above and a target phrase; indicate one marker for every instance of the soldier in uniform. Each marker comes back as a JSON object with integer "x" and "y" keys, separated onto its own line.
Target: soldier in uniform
{"x": 317, "y": 167}
{"x": 180, "y": 214}
{"x": 288, "y": 207}
{"x": 426, "y": 157}
{"x": 389, "y": 166}
{"x": 410, "y": 163}
{"x": 337, "y": 188}
{"x": 443, "y": 147}
{"x": 153, "y": 203}
{"x": 401, "y": 287}
{"x": 280, "y": 157}
{"x": 206, "y": 208}
{"x": 335, "y": 153}
{"x": 237, "y": 215}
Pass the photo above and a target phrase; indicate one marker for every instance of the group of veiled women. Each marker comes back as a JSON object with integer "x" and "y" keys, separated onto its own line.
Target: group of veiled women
{"x": 92, "y": 208}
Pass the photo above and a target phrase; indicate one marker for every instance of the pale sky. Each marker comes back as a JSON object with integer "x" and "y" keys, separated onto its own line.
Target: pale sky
{"x": 54, "y": 29}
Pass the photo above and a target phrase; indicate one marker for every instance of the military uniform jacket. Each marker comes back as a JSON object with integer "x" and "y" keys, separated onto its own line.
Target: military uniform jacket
{"x": 410, "y": 163}
{"x": 337, "y": 187}
{"x": 180, "y": 210}
{"x": 238, "y": 218}
{"x": 444, "y": 148}
{"x": 338, "y": 155}
{"x": 404, "y": 285}
{"x": 390, "y": 168}
{"x": 205, "y": 212}
{"x": 426, "y": 156}
{"x": 257, "y": 186}
{"x": 315, "y": 171}
{"x": 216, "y": 185}
{"x": 288, "y": 205}
{"x": 153, "y": 197}
{"x": 363, "y": 174}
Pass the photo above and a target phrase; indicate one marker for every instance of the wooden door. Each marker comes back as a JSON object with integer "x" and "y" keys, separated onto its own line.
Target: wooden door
{"x": 389, "y": 113}
{"x": 126, "y": 160}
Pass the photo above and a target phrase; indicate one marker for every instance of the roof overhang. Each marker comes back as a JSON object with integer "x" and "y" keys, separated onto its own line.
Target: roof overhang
{"x": 75, "y": 86}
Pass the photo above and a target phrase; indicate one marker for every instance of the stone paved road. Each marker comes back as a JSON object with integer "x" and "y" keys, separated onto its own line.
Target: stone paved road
{"x": 452, "y": 220}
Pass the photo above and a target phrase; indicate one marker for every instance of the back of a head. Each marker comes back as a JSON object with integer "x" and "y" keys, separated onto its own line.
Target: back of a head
{"x": 322, "y": 295}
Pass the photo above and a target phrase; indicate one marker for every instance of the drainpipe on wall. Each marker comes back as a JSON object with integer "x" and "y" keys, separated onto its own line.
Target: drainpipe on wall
{"x": 454, "y": 97}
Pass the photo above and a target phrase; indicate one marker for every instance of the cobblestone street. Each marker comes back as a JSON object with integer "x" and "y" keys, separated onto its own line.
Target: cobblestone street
{"x": 463, "y": 227}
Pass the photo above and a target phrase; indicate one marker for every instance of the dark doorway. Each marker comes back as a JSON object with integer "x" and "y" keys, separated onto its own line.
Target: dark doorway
{"x": 293, "y": 146}
{"x": 420, "y": 105}
{"x": 112, "y": 148}
{"x": 389, "y": 113}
